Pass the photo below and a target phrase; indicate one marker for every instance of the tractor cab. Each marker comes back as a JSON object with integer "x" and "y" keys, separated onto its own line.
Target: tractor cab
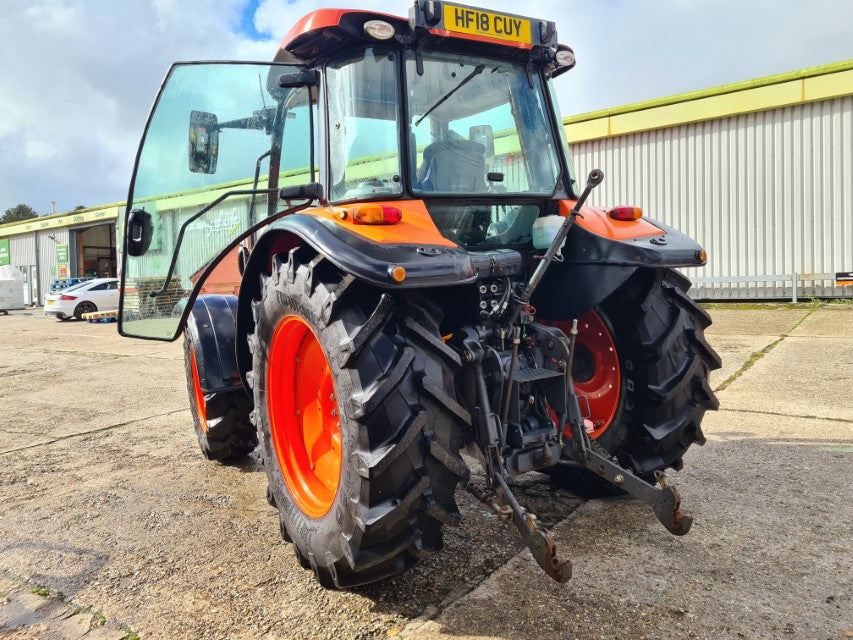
{"x": 448, "y": 119}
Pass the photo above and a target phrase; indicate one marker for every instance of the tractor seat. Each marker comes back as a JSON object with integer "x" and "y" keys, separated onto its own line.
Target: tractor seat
{"x": 453, "y": 166}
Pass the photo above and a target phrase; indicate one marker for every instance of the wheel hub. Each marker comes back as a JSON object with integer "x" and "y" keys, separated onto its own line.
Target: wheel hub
{"x": 595, "y": 370}
{"x": 303, "y": 416}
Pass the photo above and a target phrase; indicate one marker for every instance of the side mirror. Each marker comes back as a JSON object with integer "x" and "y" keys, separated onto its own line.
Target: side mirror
{"x": 304, "y": 78}
{"x": 204, "y": 142}
{"x": 486, "y": 137}
{"x": 139, "y": 232}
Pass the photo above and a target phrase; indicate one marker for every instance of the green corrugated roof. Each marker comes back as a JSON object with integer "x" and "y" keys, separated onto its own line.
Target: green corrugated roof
{"x": 778, "y": 78}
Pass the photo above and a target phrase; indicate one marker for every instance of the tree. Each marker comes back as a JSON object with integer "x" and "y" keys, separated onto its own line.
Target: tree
{"x": 18, "y": 213}
{"x": 79, "y": 206}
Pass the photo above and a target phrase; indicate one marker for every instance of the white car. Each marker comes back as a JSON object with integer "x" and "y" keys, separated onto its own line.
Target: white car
{"x": 100, "y": 294}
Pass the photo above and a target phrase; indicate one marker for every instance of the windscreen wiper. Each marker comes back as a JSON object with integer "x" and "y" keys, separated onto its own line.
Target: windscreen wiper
{"x": 477, "y": 70}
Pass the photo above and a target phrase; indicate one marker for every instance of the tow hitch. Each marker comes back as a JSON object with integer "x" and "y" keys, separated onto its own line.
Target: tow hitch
{"x": 665, "y": 501}
{"x": 491, "y": 428}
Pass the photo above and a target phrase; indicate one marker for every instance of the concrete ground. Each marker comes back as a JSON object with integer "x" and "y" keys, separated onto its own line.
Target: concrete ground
{"x": 112, "y": 525}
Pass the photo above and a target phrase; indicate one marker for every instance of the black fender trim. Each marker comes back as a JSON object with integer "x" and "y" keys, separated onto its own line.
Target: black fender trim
{"x": 673, "y": 249}
{"x": 593, "y": 267}
{"x": 426, "y": 265}
{"x": 212, "y": 328}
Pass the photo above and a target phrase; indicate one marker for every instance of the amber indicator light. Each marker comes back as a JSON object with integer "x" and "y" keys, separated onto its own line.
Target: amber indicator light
{"x": 376, "y": 214}
{"x": 626, "y": 214}
{"x": 397, "y": 273}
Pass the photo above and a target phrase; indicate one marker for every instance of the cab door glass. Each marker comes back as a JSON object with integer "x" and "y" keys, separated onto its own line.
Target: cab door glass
{"x": 363, "y": 126}
{"x": 222, "y": 138}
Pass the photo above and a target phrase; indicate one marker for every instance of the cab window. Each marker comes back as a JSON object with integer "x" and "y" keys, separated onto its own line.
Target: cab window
{"x": 363, "y": 134}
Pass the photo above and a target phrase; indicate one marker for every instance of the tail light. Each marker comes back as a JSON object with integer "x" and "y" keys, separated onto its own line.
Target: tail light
{"x": 64, "y": 297}
{"x": 376, "y": 214}
{"x": 626, "y": 214}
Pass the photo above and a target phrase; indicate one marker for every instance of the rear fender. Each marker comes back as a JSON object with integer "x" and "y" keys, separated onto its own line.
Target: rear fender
{"x": 426, "y": 264}
{"x": 212, "y": 329}
{"x": 601, "y": 254}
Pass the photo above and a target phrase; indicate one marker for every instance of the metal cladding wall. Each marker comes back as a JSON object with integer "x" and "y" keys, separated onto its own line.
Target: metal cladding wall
{"x": 22, "y": 255}
{"x": 768, "y": 193}
{"x": 22, "y": 249}
{"x": 48, "y": 240}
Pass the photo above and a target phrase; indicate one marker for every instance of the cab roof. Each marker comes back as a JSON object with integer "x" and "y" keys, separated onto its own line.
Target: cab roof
{"x": 322, "y": 33}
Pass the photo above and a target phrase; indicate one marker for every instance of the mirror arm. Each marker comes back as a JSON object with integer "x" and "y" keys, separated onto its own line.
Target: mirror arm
{"x": 265, "y": 154}
{"x": 279, "y": 125}
{"x": 257, "y": 121}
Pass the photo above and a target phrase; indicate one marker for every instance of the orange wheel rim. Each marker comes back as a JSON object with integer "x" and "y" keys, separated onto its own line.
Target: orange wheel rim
{"x": 595, "y": 370}
{"x": 303, "y": 416}
{"x": 199, "y": 395}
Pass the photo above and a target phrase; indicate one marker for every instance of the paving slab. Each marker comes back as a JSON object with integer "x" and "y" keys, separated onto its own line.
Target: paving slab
{"x": 764, "y": 321}
{"x": 24, "y": 614}
{"x": 803, "y": 376}
{"x": 57, "y": 394}
{"x": 735, "y": 351}
{"x": 34, "y": 330}
{"x": 770, "y": 554}
{"x": 830, "y": 321}
{"x": 14, "y": 440}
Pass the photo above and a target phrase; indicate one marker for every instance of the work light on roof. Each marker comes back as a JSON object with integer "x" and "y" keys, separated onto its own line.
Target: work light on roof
{"x": 565, "y": 58}
{"x": 379, "y": 29}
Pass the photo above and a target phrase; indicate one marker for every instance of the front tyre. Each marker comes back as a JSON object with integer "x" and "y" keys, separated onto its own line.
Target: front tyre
{"x": 644, "y": 367}
{"x": 357, "y": 420}
{"x": 221, "y": 420}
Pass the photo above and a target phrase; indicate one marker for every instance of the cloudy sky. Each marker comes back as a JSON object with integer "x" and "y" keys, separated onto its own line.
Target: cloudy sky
{"x": 78, "y": 76}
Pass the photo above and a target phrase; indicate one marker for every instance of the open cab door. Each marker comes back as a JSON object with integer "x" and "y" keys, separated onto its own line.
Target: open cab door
{"x": 220, "y": 142}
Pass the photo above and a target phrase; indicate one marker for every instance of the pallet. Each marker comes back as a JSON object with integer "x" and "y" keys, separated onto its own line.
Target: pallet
{"x": 101, "y": 316}
{"x": 64, "y": 283}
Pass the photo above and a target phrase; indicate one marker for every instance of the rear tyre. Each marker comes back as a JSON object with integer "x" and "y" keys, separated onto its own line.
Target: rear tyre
{"x": 221, "y": 420}
{"x": 357, "y": 418}
{"x": 84, "y": 307}
{"x": 663, "y": 387}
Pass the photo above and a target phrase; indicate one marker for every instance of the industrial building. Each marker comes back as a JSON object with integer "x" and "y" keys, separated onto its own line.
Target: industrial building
{"x": 759, "y": 172}
{"x": 67, "y": 245}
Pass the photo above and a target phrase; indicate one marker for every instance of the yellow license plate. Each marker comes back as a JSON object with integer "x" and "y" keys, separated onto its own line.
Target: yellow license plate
{"x": 485, "y": 23}
{"x": 51, "y": 301}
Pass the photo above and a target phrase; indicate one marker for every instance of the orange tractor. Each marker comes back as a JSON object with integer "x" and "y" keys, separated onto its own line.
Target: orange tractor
{"x": 418, "y": 278}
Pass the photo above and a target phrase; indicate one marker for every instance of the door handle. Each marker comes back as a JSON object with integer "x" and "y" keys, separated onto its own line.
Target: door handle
{"x": 140, "y": 228}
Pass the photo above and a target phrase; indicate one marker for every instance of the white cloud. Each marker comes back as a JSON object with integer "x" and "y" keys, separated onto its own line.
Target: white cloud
{"x": 79, "y": 76}
{"x": 73, "y": 103}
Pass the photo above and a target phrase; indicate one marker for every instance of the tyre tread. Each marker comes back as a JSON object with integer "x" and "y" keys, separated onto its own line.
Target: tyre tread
{"x": 388, "y": 525}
